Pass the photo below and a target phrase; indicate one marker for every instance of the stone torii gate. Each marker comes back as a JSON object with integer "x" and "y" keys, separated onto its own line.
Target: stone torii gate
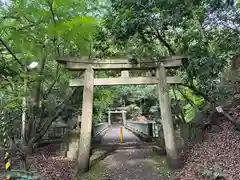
{"x": 121, "y": 111}
{"x": 89, "y": 66}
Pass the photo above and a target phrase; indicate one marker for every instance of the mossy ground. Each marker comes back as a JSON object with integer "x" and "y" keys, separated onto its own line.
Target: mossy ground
{"x": 159, "y": 164}
{"x": 94, "y": 174}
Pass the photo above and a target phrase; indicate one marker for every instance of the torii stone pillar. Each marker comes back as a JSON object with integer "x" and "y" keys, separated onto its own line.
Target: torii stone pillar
{"x": 109, "y": 117}
{"x": 86, "y": 123}
{"x": 124, "y": 117}
{"x": 167, "y": 121}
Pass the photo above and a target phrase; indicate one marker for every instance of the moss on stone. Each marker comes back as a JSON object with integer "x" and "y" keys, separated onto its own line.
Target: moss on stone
{"x": 95, "y": 174}
{"x": 161, "y": 165}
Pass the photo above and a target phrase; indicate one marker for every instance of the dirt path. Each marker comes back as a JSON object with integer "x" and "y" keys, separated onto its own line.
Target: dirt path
{"x": 128, "y": 161}
{"x": 131, "y": 160}
{"x": 129, "y": 164}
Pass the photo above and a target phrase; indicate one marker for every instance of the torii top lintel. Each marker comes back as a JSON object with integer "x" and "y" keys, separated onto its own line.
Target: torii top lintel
{"x": 81, "y": 63}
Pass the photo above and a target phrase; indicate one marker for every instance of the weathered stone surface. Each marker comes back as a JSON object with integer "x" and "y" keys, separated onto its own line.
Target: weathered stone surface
{"x": 72, "y": 141}
{"x": 159, "y": 150}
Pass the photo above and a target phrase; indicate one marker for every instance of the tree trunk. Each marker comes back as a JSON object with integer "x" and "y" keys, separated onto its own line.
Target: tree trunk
{"x": 36, "y": 102}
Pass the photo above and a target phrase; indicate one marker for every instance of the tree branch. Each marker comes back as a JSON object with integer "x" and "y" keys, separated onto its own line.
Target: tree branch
{"x": 162, "y": 40}
{"x": 10, "y": 51}
{"x": 48, "y": 122}
{"x": 50, "y": 4}
{"x": 197, "y": 92}
{"x": 5, "y": 70}
{"x": 10, "y": 17}
{"x": 165, "y": 43}
{"x": 38, "y": 84}
{"x": 8, "y": 80}
{"x": 54, "y": 82}
{"x": 32, "y": 122}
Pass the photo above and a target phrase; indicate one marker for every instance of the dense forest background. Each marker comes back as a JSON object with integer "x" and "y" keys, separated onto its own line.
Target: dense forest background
{"x": 205, "y": 31}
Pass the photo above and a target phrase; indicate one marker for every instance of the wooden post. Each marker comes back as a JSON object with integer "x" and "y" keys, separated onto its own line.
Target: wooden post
{"x": 86, "y": 122}
{"x": 121, "y": 134}
{"x": 167, "y": 121}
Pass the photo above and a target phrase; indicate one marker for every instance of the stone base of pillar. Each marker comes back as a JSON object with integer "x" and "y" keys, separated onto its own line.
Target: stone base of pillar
{"x": 69, "y": 147}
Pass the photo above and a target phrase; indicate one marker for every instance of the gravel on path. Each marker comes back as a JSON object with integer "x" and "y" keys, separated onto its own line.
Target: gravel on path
{"x": 128, "y": 163}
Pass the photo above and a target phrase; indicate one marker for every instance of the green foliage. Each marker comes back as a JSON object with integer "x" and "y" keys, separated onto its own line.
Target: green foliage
{"x": 157, "y": 28}
{"x": 155, "y": 110}
{"x": 151, "y": 29}
{"x": 189, "y": 132}
{"x": 190, "y": 103}
{"x": 206, "y": 31}
{"x": 39, "y": 31}
{"x": 133, "y": 110}
{"x": 103, "y": 98}
{"x": 144, "y": 96}
{"x": 22, "y": 175}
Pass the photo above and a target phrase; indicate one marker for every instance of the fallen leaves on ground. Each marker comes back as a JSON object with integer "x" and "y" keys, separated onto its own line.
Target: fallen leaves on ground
{"x": 51, "y": 166}
{"x": 220, "y": 149}
{"x": 48, "y": 164}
